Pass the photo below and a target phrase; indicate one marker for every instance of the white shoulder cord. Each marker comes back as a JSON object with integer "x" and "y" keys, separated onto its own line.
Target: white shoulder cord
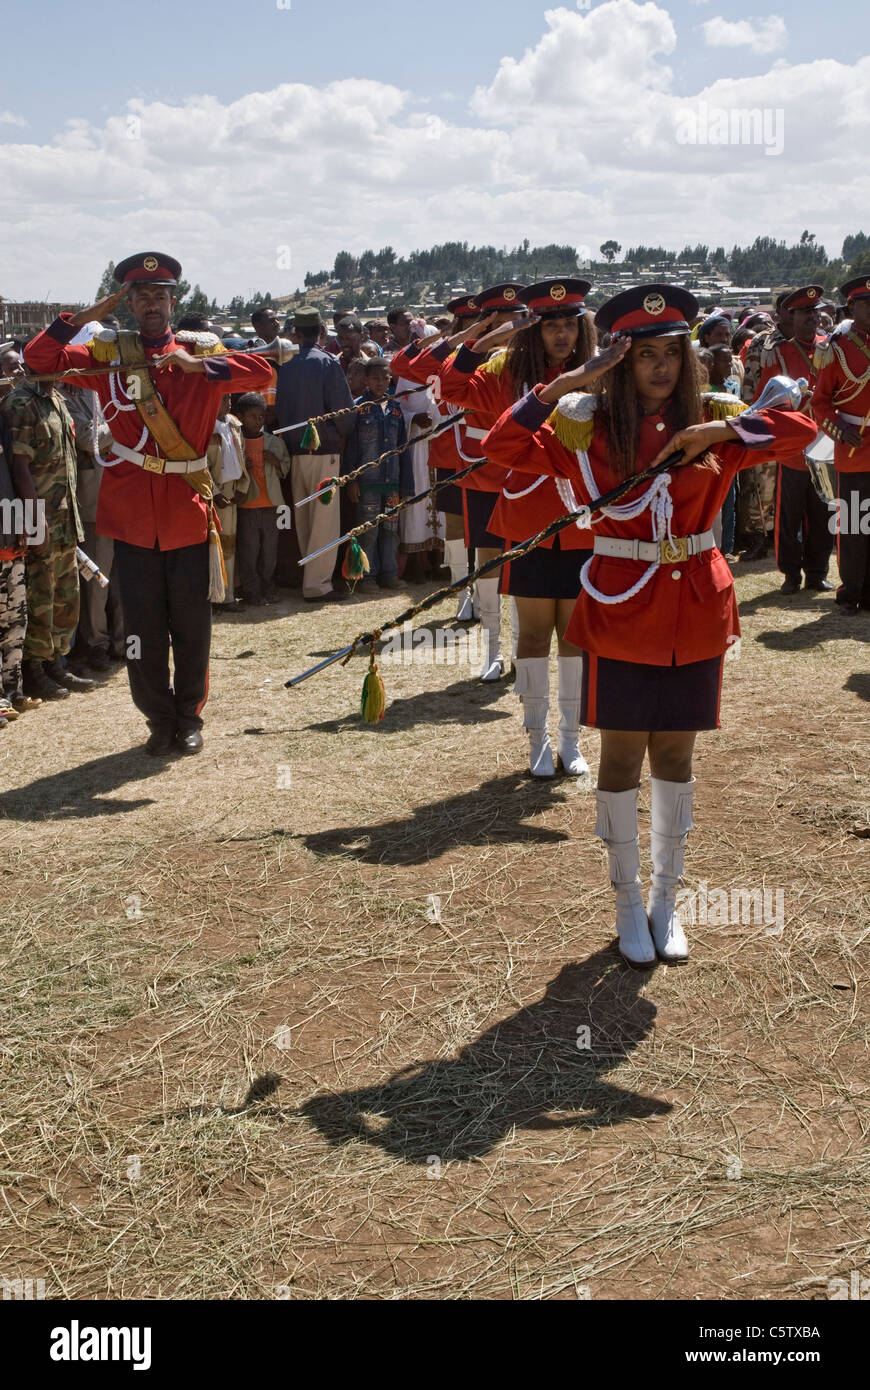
{"x": 658, "y": 498}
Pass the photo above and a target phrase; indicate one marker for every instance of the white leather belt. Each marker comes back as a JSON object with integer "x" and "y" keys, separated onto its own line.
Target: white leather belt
{"x": 664, "y": 552}
{"x": 154, "y": 464}
{"x": 475, "y": 433}
{"x": 852, "y": 419}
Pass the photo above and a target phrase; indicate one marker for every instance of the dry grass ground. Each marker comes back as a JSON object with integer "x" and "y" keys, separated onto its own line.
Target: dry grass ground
{"x": 241, "y": 1059}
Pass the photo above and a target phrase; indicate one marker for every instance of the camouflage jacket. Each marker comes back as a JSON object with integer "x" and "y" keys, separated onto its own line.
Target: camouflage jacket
{"x": 43, "y": 433}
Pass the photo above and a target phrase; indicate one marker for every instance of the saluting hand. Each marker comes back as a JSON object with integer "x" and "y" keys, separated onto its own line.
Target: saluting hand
{"x": 99, "y": 310}
{"x": 581, "y": 378}
{"x": 505, "y": 333}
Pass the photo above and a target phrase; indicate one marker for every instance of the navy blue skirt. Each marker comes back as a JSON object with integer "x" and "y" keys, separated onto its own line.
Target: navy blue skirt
{"x": 544, "y": 573}
{"x": 626, "y": 695}
{"x": 479, "y": 508}
{"x": 448, "y": 499}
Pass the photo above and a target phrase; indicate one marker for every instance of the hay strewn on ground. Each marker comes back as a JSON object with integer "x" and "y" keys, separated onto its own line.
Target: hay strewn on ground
{"x": 241, "y": 1057}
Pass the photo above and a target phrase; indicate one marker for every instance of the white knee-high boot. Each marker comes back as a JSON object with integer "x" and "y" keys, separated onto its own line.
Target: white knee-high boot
{"x": 670, "y": 823}
{"x": 492, "y": 668}
{"x": 456, "y": 556}
{"x": 533, "y": 688}
{"x": 617, "y": 827}
{"x": 568, "y": 745}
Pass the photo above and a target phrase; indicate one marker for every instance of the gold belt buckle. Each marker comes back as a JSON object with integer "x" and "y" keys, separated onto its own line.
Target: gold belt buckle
{"x": 675, "y": 550}
{"x": 153, "y": 465}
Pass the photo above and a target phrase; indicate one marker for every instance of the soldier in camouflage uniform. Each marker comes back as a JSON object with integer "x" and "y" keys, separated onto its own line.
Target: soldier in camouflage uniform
{"x": 43, "y": 436}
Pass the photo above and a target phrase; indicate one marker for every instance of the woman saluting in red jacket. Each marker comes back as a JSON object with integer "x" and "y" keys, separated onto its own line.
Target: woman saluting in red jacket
{"x": 656, "y": 611}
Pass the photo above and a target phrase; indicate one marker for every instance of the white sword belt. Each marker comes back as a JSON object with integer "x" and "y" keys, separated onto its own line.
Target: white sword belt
{"x": 473, "y": 433}
{"x": 663, "y": 552}
{"x": 154, "y": 464}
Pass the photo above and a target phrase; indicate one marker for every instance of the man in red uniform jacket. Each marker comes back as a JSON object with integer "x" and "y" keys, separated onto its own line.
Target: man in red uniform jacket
{"x": 841, "y": 406}
{"x": 802, "y": 537}
{"x": 158, "y": 521}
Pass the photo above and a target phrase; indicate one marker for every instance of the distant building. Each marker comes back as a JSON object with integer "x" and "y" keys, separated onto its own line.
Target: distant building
{"x": 22, "y": 319}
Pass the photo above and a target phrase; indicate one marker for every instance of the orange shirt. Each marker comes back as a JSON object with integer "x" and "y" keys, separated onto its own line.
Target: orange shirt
{"x": 257, "y": 469}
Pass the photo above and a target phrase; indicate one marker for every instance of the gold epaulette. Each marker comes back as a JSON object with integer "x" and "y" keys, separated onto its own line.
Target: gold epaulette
{"x": 823, "y": 355}
{"x": 104, "y": 346}
{"x": 719, "y": 405}
{"x": 496, "y": 364}
{"x": 201, "y": 344}
{"x": 573, "y": 420}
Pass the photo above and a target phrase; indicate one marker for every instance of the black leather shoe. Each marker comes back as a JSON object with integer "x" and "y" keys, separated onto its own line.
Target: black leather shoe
{"x": 850, "y": 609}
{"x": 161, "y": 743}
{"x": 791, "y": 585}
{"x": 57, "y": 672}
{"x": 824, "y": 586}
{"x": 189, "y": 740}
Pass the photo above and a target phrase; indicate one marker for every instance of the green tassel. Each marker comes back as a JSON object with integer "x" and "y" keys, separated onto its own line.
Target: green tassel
{"x": 356, "y": 563}
{"x": 310, "y": 439}
{"x": 374, "y": 696}
{"x": 326, "y": 497}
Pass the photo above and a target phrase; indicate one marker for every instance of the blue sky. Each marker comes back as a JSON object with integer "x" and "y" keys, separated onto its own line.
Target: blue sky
{"x": 219, "y": 46}
{"x": 273, "y": 136}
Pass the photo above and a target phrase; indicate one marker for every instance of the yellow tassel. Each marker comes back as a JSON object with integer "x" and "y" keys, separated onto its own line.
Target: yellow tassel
{"x": 374, "y": 697}
{"x": 103, "y": 350}
{"x": 823, "y": 355}
{"x": 574, "y": 434}
{"x": 720, "y": 409}
{"x": 496, "y": 364}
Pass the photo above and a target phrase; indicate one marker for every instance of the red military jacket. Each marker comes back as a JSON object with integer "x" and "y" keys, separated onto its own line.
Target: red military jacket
{"x": 462, "y": 444}
{"x": 135, "y": 505}
{"x": 843, "y": 387}
{"x": 791, "y": 357}
{"x": 524, "y": 506}
{"x": 685, "y": 611}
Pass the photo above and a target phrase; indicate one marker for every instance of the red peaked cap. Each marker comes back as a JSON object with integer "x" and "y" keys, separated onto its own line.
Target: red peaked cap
{"x": 556, "y": 297}
{"x": 807, "y": 297}
{"x": 149, "y": 268}
{"x": 465, "y": 306}
{"x": 648, "y": 311}
{"x": 505, "y": 296}
{"x": 859, "y": 288}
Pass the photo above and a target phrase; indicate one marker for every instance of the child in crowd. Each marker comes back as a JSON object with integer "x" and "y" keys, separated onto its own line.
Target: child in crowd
{"x": 267, "y": 462}
{"x": 375, "y": 430}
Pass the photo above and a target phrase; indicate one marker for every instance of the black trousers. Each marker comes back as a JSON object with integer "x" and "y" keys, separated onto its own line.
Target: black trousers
{"x": 164, "y": 594}
{"x": 853, "y": 547}
{"x": 256, "y": 550}
{"x": 802, "y": 536}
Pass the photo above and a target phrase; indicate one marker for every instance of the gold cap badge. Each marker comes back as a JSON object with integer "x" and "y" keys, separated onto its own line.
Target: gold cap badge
{"x": 150, "y": 263}
{"x": 557, "y": 291}
{"x": 510, "y": 293}
{"x": 654, "y": 304}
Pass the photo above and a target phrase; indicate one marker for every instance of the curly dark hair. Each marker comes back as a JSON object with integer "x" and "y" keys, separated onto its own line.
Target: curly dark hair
{"x": 527, "y": 361}
{"x": 620, "y": 411}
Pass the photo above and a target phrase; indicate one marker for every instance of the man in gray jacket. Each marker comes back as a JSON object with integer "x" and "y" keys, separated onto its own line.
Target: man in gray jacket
{"x": 311, "y": 384}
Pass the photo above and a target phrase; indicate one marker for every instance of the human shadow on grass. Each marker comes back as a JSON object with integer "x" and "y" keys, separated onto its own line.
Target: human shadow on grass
{"x": 552, "y": 1056}
{"x": 79, "y": 791}
{"x": 833, "y": 625}
{"x": 493, "y": 813}
{"x": 859, "y": 684}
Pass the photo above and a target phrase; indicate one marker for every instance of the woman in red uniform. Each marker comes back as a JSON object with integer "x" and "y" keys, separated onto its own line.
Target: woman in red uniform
{"x": 496, "y": 305}
{"x": 557, "y": 336}
{"x": 657, "y": 611}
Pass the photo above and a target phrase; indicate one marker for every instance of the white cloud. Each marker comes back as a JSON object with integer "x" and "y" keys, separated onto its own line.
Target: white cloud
{"x": 761, "y": 35}
{"x": 574, "y": 141}
{"x": 9, "y": 118}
